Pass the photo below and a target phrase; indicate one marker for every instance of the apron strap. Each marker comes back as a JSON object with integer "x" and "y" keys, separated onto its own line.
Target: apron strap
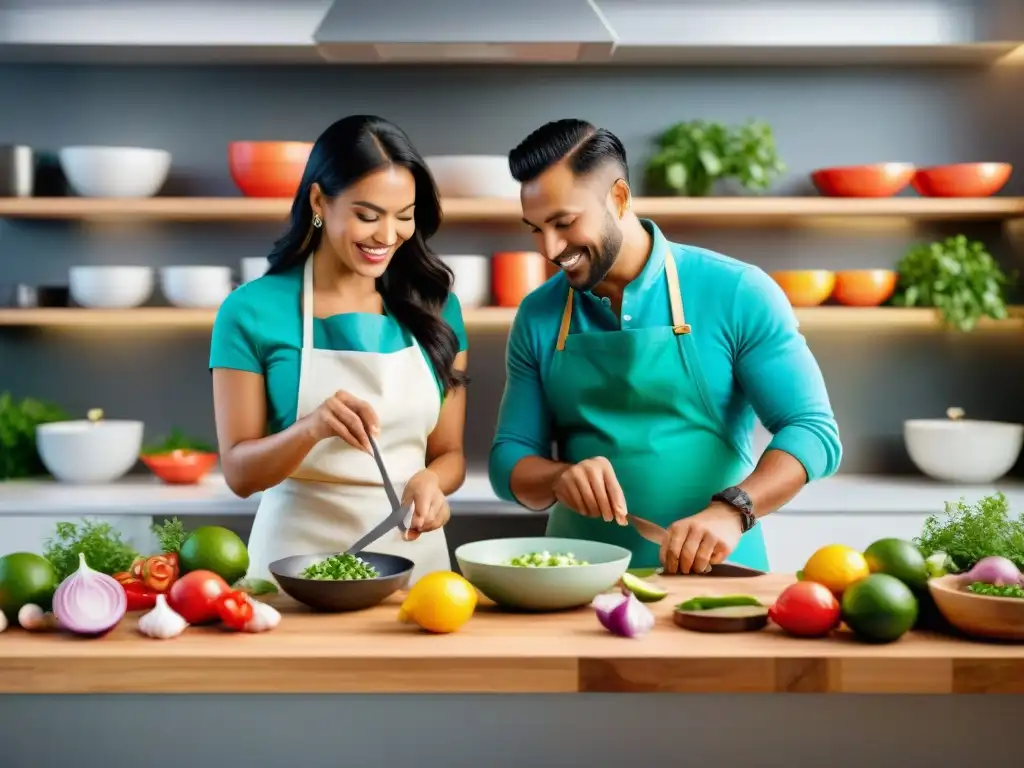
{"x": 563, "y": 330}
{"x": 307, "y": 310}
{"x": 675, "y": 295}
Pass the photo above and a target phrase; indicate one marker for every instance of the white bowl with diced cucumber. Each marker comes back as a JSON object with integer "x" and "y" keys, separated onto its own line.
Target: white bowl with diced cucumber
{"x": 542, "y": 573}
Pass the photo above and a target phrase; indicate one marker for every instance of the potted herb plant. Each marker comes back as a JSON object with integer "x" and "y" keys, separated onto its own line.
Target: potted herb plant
{"x": 957, "y": 276}
{"x": 692, "y": 157}
{"x": 19, "y": 457}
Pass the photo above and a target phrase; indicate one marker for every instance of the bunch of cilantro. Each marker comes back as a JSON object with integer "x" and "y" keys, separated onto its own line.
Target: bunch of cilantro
{"x": 969, "y": 532}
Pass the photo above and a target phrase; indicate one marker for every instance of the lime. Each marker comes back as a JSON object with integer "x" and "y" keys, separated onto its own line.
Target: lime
{"x": 645, "y": 591}
{"x": 899, "y": 558}
{"x": 25, "y": 578}
{"x": 879, "y": 608}
{"x": 217, "y": 549}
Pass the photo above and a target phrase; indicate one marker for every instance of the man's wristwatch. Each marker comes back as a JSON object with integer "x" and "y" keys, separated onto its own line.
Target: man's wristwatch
{"x": 738, "y": 499}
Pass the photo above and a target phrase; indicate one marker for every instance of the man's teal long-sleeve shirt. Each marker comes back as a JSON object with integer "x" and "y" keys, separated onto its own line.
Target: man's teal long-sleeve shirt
{"x": 753, "y": 356}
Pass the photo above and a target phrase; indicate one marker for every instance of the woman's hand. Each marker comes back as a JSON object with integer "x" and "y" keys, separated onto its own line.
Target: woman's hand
{"x": 430, "y": 509}
{"x": 345, "y": 416}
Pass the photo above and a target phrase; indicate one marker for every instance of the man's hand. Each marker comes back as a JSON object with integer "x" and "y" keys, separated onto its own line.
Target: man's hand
{"x": 592, "y": 489}
{"x": 707, "y": 538}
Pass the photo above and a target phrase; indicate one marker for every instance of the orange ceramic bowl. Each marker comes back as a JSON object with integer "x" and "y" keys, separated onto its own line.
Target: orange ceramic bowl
{"x": 268, "y": 168}
{"x": 806, "y": 287}
{"x": 962, "y": 179}
{"x": 881, "y": 180}
{"x": 180, "y": 467}
{"x": 864, "y": 287}
{"x": 515, "y": 274}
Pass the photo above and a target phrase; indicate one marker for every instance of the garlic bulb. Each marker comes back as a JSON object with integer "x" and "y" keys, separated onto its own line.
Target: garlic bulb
{"x": 35, "y": 619}
{"x": 264, "y": 617}
{"x": 162, "y": 622}
{"x": 3, "y": 621}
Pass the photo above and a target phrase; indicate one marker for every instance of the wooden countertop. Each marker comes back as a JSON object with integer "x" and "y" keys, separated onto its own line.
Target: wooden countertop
{"x": 371, "y": 652}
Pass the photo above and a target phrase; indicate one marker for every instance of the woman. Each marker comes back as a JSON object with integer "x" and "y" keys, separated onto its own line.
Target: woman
{"x": 352, "y": 332}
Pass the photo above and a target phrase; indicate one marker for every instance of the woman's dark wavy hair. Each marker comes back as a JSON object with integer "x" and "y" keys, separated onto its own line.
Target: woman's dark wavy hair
{"x": 417, "y": 283}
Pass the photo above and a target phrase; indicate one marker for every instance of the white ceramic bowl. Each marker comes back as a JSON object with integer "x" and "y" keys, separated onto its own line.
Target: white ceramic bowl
{"x": 89, "y": 452}
{"x": 254, "y": 267}
{"x": 473, "y": 176}
{"x": 472, "y": 283}
{"x": 196, "y": 287}
{"x": 963, "y": 451}
{"x": 115, "y": 171}
{"x": 110, "y": 287}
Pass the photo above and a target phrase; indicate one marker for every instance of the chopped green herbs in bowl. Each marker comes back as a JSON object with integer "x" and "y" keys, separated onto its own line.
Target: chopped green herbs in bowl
{"x": 334, "y": 582}
{"x": 340, "y": 568}
{"x": 545, "y": 559}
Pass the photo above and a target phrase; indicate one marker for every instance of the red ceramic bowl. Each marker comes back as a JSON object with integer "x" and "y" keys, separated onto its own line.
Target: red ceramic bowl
{"x": 864, "y": 287}
{"x": 962, "y": 179}
{"x": 268, "y": 168}
{"x": 881, "y": 180}
{"x": 180, "y": 467}
{"x": 514, "y": 274}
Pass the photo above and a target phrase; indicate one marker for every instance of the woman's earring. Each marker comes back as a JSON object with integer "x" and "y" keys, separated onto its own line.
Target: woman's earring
{"x": 317, "y": 221}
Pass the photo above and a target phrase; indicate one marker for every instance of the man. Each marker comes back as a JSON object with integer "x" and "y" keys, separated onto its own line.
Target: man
{"x": 646, "y": 363}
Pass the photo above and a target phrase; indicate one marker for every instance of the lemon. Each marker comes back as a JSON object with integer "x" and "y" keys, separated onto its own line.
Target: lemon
{"x": 440, "y": 602}
{"x": 836, "y": 567}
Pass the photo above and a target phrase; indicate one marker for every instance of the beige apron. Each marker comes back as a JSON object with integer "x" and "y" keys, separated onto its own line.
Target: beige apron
{"x": 337, "y": 495}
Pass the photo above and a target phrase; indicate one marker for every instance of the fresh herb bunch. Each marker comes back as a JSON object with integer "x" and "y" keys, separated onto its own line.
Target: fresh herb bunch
{"x": 18, "y": 421}
{"x": 101, "y": 544}
{"x": 341, "y": 568}
{"x": 170, "y": 534}
{"x": 692, "y": 156}
{"x": 957, "y": 276}
{"x": 969, "y": 532}
{"x": 991, "y": 590}
{"x": 178, "y": 441}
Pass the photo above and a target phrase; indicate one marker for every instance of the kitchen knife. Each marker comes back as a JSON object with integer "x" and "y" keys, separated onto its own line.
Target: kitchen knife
{"x": 398, "y": 515}
{"x": 655, "y": 534}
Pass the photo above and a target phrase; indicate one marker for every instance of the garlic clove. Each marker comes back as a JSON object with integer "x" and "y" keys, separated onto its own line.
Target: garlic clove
{"x": 3, "y": 621}
{"x": 162, "y": 622}
{"x": 35, "y": 619}
{"x": 264, "y": 616}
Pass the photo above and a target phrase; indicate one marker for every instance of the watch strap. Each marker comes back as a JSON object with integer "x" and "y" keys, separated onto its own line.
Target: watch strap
{"x": 739, "y": 500}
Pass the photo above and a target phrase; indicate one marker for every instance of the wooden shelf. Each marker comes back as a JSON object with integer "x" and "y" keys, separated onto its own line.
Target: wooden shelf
{"x": 733, "y": 210}
{"x": 483, "y": 319}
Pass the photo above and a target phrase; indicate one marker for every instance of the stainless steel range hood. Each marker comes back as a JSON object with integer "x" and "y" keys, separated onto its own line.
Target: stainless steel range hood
{"x": 439, "y": 31}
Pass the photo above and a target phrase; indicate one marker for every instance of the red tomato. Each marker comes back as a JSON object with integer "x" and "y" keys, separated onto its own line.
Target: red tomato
{"x": 806, "y": 609}
{"x": 194, "y": 596}
{"x": 234, "y": 609}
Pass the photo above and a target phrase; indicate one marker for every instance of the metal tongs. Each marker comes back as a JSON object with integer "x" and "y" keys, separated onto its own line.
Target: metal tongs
{"x": 656, "y": 534}
{"x": 400, "y": 516}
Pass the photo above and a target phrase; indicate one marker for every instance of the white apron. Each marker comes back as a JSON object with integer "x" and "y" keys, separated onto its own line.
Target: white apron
{"x": 337, "y": 494}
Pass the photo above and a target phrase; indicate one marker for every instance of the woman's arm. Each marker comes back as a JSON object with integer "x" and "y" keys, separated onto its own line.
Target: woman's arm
{"x": 251, "y": 460}
{"x": 445, "y": 445}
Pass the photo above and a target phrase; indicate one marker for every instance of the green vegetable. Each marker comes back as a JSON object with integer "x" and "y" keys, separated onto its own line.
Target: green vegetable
{"x": 710, "y": 603}
{"x": 546, "y": 560}
{"x": 177, "y": 441}
{"x": 957, "y": 276}
{"x": 18, "y": 421}
{"x": 102, "y": 546}
{"x": 341, "y": 568}
{"x": 171, "y": 535}
{"x": 692, "y": 156}
{"x": 255, "y": 587}
{"x": 966, "y": 533}
{"x": 1010, "y": 590}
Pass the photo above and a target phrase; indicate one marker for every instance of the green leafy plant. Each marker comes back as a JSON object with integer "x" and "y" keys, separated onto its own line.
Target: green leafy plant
{"x": 170, "y": 534}
{"x": 692, "y": 156}
{"x": 178, "y": 441}
{"x": 966, "y": 533}
{"x": 104, "y": 549}
{"x": 957, "y": 276}
{"x": 18, "y": 421}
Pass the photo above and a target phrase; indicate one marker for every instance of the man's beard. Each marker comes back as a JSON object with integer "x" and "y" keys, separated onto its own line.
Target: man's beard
{"x": 602, "y": 259}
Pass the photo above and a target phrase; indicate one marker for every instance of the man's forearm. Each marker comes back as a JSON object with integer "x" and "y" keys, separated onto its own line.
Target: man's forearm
{"x": 777, "y": 478}
{"x": 533, "y": 479}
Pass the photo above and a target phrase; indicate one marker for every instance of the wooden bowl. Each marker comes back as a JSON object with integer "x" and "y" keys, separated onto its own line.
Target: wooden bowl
{"x": 268, "y": 168}
{"x": 864, "y": 287}
{"x": 880, "y": 180}
{"x": 180, "y": 467}
{"x": 962, "y": 179}
{"x": 806, "y": 287}
{"x": 981, "y": 616}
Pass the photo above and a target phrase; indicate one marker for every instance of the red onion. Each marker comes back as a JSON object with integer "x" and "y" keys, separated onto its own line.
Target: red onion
{"x": 999, "y": 571}
{"x": 89, "y": 602}
{"x": 623, "y": 614}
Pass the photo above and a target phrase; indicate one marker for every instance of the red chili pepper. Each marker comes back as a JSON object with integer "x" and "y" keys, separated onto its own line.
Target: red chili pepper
{"x": 234, "y": 609}
{"x": 139, "y": 597}
{"x": 158, "y": 574}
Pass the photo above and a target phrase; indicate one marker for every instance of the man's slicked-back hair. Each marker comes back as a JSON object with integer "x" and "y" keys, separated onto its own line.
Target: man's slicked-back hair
{"x": 586, "y": 147}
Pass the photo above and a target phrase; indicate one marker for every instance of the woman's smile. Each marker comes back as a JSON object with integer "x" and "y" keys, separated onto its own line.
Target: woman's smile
{"x": 375, "y": 253}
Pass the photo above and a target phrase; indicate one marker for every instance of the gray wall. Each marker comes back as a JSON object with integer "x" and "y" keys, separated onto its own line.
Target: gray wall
{"x": 821, "y": 117}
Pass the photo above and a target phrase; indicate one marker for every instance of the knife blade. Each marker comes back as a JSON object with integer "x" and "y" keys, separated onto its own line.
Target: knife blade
{"x": 655, "y": 534}
{"x": 394, "y": 520}
{"x": 389, "y": 488}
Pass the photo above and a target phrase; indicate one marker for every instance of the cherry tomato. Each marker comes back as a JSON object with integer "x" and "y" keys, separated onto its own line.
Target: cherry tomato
{"x": 234, "y": 609}
{"x": 806, "y": 609}
{"x": 194, "y": 596}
